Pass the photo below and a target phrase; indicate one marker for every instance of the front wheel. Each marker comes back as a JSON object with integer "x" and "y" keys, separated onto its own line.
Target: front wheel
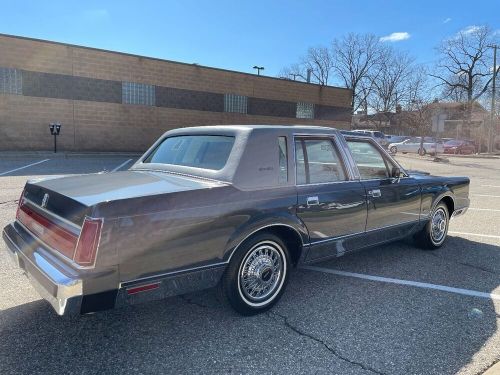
{"x": 421, "y": 151}
{"x": 433, "y": 235}
{"x": 257, "y": 274}
{"x": 394, "y": 150}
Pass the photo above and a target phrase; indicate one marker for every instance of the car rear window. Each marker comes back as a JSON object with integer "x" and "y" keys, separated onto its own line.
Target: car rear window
{"x": 199, "y": 151}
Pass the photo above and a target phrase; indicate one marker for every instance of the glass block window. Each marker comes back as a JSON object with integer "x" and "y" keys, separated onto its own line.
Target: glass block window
{"x": 138, "y": 93}
{"x": 11, "y": 81}
{"x": 305, "y": 110}
{"x": 235, "y": 103}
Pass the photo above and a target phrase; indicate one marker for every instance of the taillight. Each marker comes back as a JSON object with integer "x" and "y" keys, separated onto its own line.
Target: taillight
{"x": 46, "y": 230}
{"x": 88, "y": 242}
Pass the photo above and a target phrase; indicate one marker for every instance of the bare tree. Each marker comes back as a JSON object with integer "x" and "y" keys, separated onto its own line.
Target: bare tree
{"x": 465, "y": 68}
{"x": 355, "y": 58}
{"x": 319, "y": 62}
{"x": 296, "y": 72}
{"x": 417, "y": 88}
{"x": 390, "y": 86}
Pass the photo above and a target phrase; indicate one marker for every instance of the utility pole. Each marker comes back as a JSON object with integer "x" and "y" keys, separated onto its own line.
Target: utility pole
{"x": 492, "y": 113}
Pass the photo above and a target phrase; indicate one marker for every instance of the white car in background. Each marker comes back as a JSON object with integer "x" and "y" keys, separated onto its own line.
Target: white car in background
{"x": 413, "y": 146}
{"x": 375, "y": 134}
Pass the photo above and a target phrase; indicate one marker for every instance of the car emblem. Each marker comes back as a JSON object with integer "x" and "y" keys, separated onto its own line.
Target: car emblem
{"x": 45, "y": 200}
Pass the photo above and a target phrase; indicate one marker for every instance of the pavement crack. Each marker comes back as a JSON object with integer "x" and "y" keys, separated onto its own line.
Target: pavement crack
{"x": 11, "y": 201}
{"x": 332, "y": 350}
{"x": 189, "y": 301}
{"x": 467, "y": 265}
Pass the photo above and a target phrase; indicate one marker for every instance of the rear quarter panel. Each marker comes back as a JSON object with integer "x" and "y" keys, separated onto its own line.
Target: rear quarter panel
{"x": 434, "y": 189}
{"x": 185, "y": 230}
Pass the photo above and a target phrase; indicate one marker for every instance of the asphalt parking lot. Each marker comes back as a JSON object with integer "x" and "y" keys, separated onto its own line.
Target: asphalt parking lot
{"x": 387, "y": 310}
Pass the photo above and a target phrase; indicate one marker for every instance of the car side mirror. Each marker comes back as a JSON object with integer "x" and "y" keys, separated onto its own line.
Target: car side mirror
{"x": 396, "y": 172}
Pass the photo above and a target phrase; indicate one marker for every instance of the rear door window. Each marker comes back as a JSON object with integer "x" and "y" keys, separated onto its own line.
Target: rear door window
{"x": 318, "y": 161}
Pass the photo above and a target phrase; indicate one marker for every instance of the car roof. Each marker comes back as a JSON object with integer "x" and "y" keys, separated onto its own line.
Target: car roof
{"x": 262, "y": 127}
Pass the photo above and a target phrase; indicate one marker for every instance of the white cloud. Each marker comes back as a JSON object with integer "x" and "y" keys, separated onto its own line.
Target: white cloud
{"x": 395, "y": 37}
{"x": 95, "y": 14}
{"x": 446, "y": 20}
{"x": 471, "y": 29}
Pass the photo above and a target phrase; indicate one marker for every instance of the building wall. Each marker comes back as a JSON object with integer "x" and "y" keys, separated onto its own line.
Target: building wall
{"x": 84, "y": 90}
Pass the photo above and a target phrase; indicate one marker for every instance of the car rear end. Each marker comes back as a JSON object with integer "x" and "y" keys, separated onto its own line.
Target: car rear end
{"x": 55, "y": 241}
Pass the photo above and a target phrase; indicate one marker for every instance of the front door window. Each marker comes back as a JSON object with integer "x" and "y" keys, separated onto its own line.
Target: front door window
{"x": 371, "y": 164}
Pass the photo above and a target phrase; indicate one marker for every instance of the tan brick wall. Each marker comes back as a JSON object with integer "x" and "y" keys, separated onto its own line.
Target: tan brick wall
{"x": 24, "y": 122}
{"x": 106, "y": 65}
{"x": 37, "y": 56}
{"x": 116, "y": 127}
{"x": 93, "y": 126}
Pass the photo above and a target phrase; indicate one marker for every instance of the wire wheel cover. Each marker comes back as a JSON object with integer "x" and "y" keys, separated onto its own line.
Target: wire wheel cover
{"x": 261, "y": 272}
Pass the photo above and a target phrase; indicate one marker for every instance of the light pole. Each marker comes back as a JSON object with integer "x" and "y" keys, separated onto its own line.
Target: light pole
{"x": 259, "y": 68}
{"x": 492, "y": 112}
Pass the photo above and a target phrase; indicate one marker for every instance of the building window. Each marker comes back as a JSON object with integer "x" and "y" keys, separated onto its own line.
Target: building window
{"x": 235, "y": 103}
{"x": 11, "y": 81}
{"x": 138, "y": 93}
{"x": 305, "y": 110}
{"x": 283, "y": 160}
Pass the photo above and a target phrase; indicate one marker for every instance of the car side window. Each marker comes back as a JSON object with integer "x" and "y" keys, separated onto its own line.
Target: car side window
{"x": 318, "y": 161}
{"x": 300, "y": 163}
{"x": 283, "y": 160}
{"x": 371, "y": 164}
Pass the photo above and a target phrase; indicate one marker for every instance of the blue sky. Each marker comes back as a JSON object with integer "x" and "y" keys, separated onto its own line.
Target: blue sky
{"x": 236, "y": 34}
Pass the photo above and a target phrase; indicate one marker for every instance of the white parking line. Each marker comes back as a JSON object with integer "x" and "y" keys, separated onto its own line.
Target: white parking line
{"x": 121, "y": 165}
{"x": 475, "y": 234}
{"x": 495, "y": 186}
{"x": 482, "y": 209}
{"x": 26, "y": 166}
{"x": 486, "y": 195}
{"x": 443, "y": 288}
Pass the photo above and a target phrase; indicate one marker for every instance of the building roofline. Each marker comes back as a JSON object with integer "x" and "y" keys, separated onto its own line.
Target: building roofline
{"x": 166, "y": 60}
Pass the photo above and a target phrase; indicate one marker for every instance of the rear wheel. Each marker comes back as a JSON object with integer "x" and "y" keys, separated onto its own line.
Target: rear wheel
{"x": 422, "y": 151}
{"x": 433, "y": 235}
{"x": 393, "y": 150}
{"x": 257, "y": 274}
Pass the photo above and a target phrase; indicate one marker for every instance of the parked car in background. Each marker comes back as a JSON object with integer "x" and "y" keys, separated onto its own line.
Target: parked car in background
{"x": 229, "y": 206}
{"x": 459, "y": 147}
{"x": 413, "y": 145}
{"x": 375, "y": 134}
{"x": 396, "y": 138}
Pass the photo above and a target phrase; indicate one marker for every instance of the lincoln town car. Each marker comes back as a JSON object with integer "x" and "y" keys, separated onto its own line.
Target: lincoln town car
{"x": 232, "y": 207}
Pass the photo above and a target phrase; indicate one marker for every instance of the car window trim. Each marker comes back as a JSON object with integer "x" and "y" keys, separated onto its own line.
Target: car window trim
{"x": 340, "y": 153}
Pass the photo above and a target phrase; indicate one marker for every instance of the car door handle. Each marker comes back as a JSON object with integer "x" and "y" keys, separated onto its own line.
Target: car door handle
{"x": 375, "y": 193}
{"x": 312, "y": 201}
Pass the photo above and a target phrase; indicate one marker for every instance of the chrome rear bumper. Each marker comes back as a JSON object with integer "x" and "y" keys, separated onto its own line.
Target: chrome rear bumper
{"x": 53, "y": 280}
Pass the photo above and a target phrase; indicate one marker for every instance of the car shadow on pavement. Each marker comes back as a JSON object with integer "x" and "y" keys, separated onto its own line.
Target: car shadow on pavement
{"x": 324, "y": 323}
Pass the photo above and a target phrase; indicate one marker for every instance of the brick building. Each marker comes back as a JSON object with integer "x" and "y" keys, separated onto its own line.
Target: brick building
{"x": 109, "y": 101}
